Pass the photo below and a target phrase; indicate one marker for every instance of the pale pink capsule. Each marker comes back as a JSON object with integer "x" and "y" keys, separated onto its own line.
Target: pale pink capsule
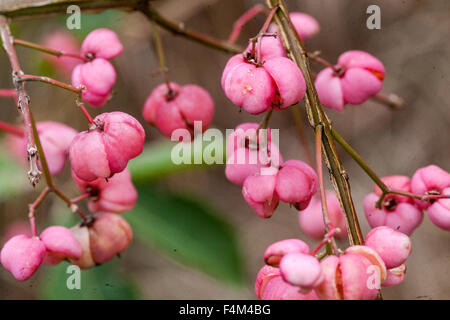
{"x": 347, "y": 278}
{"x": 101, "y": 43}
{"x": 278, "y": 83}
{"x": 63, "y": 41}
{"x": 98, "y": 77}
{"x": 106, "y": 149}
{"x": 277, "y": 250}
{"x": 395, "y": 276}
{"x": 302, "y": 270}
{"x": 439, "y": 212}
{"x": 296, "y": 183}
{"x": 393, "y": 247}
{"x": 271, "y": 47}
{"x": 357, "y": 77}
{"x": 247, "y": 154}
{"x": 109, "y": 235}
{"x": 81, "y": 233}
{"x": 115, "y": 195}
{"x": 429, "y": 180}
{"x": 397, "y": 212}
{"x": 372, "y": 256}
{"x": 311, "y": 219}
{"x": 269, "y": 285}
{"x": 60, "y": 244}
{"x": 55, "y": 139}
{"x": 258, "y": 191}
{"x": 178, "y": 109}
{"x": 22, "y": 256}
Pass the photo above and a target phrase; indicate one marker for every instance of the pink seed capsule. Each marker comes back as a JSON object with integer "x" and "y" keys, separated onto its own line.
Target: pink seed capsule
{"x": 305, "y": 25}
{"x": 393, "y": 247}
{"x": 22, "y": 256}
{"x": 429, "y": 180}
{"x": 105, "y": 150}
{"x": 60, "y": 244}
{"x": 397, "y": 212}
{"x": 101, "y": 43}
{"x": 178, "y": 108}
{"x": 270, "y": 285}
{"x": 247, "y": 154}
{"x": 55, "y": 139}
{"x": 81, "y": 234}
{"x": 114, "y": 195}
{"x": 296, "y": 183}
{"x": 347, "y": 278}
{"x": 63, "y": 41}
{"x": 372, "y": 256}
{"x": 439, "y": 212}
{"x": 302, "y": 270}
{"x": 395, "y": 276}
{"x": 277, "y": 250}
{"x": 278, "y": 83}
{"x": 98, "y": 77}
{"x": 109, "y": 235}
{"x": 311, "y": 218}
{"x": 357, "y": 77}
{"x": 258, "y": 191}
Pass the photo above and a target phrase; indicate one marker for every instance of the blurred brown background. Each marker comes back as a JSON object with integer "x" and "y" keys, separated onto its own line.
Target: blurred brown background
{"x": 412, "y": 44}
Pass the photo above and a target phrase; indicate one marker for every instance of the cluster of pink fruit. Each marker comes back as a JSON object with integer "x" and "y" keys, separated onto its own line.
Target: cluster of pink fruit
{"x": 98, "y": 158}
{"x": 293, "y": 273}
{"x": 404, "y": 213}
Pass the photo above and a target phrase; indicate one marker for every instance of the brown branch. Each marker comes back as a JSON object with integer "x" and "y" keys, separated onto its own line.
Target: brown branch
{"x": 297, "y": 52}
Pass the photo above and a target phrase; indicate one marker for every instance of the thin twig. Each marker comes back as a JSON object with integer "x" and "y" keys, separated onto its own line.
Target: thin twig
{"x": 11, "y": 129}
{"x": 57, "y": 53}
{"x": 244, "y": 19}
{"x": 53, "y": 82}
{"x": 301, "y": 134}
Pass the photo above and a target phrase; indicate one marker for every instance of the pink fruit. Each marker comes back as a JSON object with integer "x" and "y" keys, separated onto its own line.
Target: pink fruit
{"x": 55, "y": 138}
{"x": 311, "y": 219}
{"x": 109, "y": 235}
{"x": 429, "y": 180}
{"x": 66, "y": 42}
{"x": 302, "y": 270}
{"x": 397, "y": 212}
{"x": 269, "y": 285}
{"x": 439, "y": 212}
{"x": 115, "y": 195}
{"x": 101, "y": 43}
{"x": 98, "y": 76}
{"x": 275, "y": 252}
{"x": 22, "y": 256}
{"x": 178, "y": 109}
{"x": 106, "y": 149}
{"x": 248, "y": 154}
{"x": 296, "y": 183}
{"x": 81, "y": 234}
{"x": 60, "y": 244}
{"x": 395, "y": 276}
{"x": 277, "y": 83}
{"x": 258, "y": 191}
{"x": 393, "y": 247}
{"x": 371, "y": 255}
{"x": 305, "y": 25}
{"x": 360, "y": 76}
{"x": 346, "y": 278}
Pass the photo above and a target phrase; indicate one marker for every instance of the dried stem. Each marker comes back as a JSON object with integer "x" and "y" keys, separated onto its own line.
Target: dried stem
{"x": 32, "y": 209}
{"x": 297, "y": 52}
{"x": 53, "y": 82}
{"x": 47, "y": 50}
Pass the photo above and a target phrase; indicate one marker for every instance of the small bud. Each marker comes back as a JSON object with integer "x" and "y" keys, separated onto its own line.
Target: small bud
{"x": 275, "y": 252}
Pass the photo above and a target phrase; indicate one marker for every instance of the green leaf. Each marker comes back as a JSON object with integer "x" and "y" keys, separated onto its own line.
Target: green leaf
{"x": 100, "y": 283}
{"x": 13, "y": 177}
{"x": 188, "y": 231}
{"x": 156, "y": 162}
